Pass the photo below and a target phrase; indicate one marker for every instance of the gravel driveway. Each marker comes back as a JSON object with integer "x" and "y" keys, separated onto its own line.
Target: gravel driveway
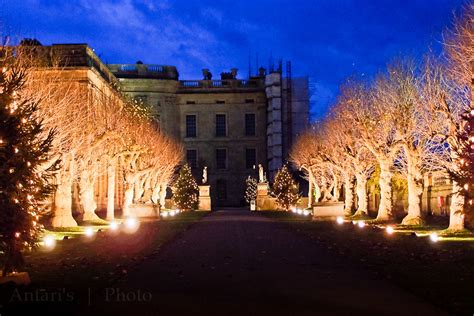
{"x": 234, "y": 262}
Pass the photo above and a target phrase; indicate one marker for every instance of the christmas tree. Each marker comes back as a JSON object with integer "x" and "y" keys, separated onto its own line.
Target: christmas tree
{"x": 285, "y": 189}
{"x": 251, "y": 190}
{"x": 464, "y": 175}
{"x": 185, "y": 190}
{"x": 24, "y": 184}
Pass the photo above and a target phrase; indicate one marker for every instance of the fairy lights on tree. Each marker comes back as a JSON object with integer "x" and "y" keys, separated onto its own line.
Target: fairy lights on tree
{"x": 251, "y": 189}
{"x": 186, "y": 190}
{"x": 285, "y": 189}
{"x": 24, "y": 185}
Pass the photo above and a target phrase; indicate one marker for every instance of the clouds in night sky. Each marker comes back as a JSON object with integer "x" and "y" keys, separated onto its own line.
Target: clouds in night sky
{"x": 327, "y": 40}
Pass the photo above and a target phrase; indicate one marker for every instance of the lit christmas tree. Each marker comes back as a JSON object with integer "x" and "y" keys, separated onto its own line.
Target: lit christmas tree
{"x": 465, "y": 173}
{"x": 251, "y": 190}
{"x": 285, "y": 189}
{"x": 24, "y": 186}
{"x": 186, "y": 190}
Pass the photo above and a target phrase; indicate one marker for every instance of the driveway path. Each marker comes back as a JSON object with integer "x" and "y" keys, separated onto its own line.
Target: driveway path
{"x": 240, "y": 263}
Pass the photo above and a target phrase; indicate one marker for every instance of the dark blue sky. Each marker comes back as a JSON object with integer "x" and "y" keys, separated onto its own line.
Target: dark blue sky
{"x": 327, "y": 40}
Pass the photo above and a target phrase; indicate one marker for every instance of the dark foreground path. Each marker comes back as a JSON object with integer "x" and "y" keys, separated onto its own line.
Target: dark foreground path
{"x": 238, "y": 263}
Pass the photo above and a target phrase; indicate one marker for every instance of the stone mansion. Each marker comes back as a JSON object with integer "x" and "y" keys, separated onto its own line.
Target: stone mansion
{"x": 229, "y": 124}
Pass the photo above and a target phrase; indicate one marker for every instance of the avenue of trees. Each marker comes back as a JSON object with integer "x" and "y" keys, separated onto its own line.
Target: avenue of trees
{"x": 410, "y": 119}
{"x": 98, "y": 132}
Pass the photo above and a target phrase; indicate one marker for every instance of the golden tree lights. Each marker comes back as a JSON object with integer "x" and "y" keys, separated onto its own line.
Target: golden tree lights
{"x": 285, "y": 189}
{"x": 186, "y": 190}
{"x": 25, "y": 146}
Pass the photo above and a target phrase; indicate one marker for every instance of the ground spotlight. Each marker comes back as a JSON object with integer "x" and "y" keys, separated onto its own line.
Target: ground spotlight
{"x": 131, "y": 224}
{"x": 49, "y": 242}
{"x": 299, "y": 211}
{"x": 114, "y": 226}
{"x": 389, "y": 230}
{"x": 172, "y": 213}
{"x": 340, "y": 220}
{"x": 434, "y": 237}
{"x": 361, "y": 224}
{"x": 89, "y": 232}
{"x": 305, "y": 212}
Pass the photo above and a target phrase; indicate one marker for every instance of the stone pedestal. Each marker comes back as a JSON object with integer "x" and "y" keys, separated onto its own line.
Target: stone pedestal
{"x": 144, "y": 210}
{"x": 262, "y": 189}
{"x": 328, "y": 209}
{"x": 204, "y": 197}
{"x": 264, "y": 201}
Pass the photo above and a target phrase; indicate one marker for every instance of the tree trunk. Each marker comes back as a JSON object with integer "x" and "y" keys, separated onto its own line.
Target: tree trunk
{"x": 138, "y": 190}
{"x": 337, "y": 192}
{"x": 86, "y": 196}
{"x": 155, "y": 195}
{"x": 310, "y": 192}
{"x": 349, "y": 194}
{"x": 456, "y": 209}
{"x": 128, "y": 194}
{"x": 415, "y": 189}
{"x": 111, "y": 191}
{"x": 62, "y": 215}
{"x": 163, "y": 195}
{"x": 147, "y": 191}
{"x": 385, "y": 207}
{"x": 361, "y": 188}
{"x": 317, "y": 192}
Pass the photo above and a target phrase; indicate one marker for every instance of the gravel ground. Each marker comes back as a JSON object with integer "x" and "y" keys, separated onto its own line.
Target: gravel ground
{"x": 237, "y": 262}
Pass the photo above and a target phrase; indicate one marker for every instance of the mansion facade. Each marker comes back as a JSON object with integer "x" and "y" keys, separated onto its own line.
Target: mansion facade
{"x": 229, "y": 125}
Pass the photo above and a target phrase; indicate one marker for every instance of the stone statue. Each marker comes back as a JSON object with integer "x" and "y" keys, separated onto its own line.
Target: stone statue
{"x": 260, "y": 174}
{"x": 204, "y": 175}
{"x": 264, "y": 177}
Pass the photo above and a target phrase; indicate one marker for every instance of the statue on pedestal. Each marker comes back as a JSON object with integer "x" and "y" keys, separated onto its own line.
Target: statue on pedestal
{"x": 204, "y": 175}
{"x": 261, "y": 177}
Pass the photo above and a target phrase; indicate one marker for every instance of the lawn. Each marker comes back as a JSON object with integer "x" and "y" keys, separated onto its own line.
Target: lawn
{"x": 81, "y": 263}
{"x": 441, "y": 273}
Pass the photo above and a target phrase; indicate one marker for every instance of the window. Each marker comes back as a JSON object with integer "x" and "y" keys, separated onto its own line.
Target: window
{"x": 249, "y": 100}
{"x": 221, "y": 158}
{"x": 249, "y": 124}
{"x": 250, "y": 158}
{"x": 191, "y": 126}
{"x": 221, "y": 128}
{"x": 190, "y": 102}
{"x": 221, "y": 189}
{"x": 191, "y": 158}
{"x": 220, "y": 101}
